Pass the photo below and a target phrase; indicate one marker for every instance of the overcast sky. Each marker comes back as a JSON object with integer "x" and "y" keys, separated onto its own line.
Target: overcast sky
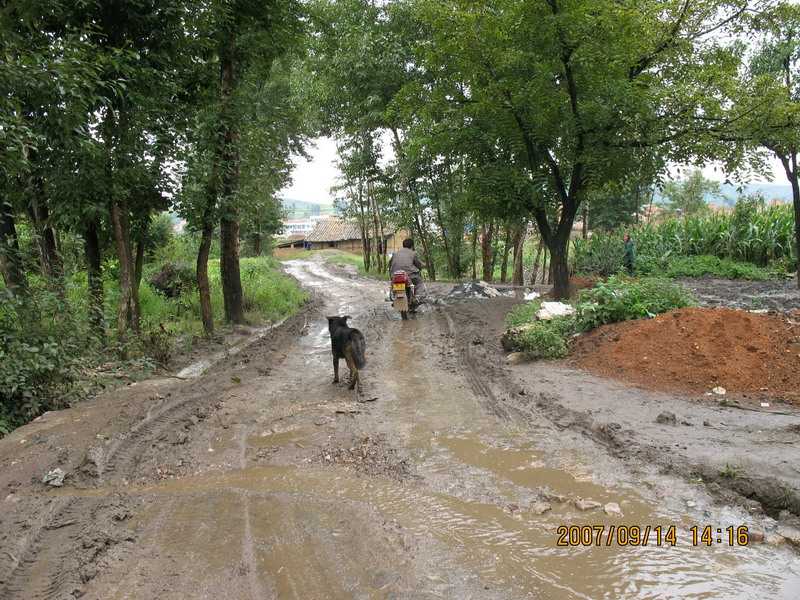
{"x": 313, "y": 179}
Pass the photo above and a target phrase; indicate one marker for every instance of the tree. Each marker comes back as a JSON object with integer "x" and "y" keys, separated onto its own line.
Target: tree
{"x": 687, "y": 198}
{"x": 575, "y": 91}
{"x": 768, "y": 106}
{"x": 246, "y": 37}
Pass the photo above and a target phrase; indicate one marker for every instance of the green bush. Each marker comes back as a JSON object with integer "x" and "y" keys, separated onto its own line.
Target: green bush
{"x": 545, "y": 339}
{"x": 50, "y": 355}
{"x": 616, "y": 299}
{"x": 622, "y": 299}
{"x": 600, "y": 254}
{"x": 43, "y": 350}
{"x": 697, "y": 266}
{"x": 523, "y": 314}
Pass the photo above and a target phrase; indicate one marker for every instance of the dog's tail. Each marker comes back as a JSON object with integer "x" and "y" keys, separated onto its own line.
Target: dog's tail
{"x": 359, "y": 349}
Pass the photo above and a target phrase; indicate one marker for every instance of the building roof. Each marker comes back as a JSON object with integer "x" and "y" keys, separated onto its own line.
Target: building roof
{"x": 338, "y": 231}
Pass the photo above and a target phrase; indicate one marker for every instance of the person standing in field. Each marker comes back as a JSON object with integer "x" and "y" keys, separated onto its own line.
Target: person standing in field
{"x": 629, "y": 254}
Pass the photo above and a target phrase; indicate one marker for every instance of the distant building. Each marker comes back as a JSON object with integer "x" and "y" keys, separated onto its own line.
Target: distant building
{"x": 292, "y": 246}
{"x": 302, "y": 226}
{"x": 346, "y": 236}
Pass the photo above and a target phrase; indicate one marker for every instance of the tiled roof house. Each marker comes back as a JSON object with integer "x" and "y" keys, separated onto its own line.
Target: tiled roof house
{"x": 345, "y": 235}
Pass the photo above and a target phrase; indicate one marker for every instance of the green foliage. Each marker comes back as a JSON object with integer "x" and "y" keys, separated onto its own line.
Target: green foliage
{"x": 688, "y": 197}
{"x": 753, "y": 233}
{"x": 616, "y": 299}
{"x": 622, "y": 299}
{"x": 523, "y": 314}
{"x": 600, "y": 254}
{"x": 545, "y": 339}
{"x": 43, "y": 351}
{"x": 697, "y": 266}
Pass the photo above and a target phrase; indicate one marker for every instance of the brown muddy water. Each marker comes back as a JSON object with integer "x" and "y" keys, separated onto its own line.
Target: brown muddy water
{"x": 470, "y": 463}
{"x": 467, "y": 504}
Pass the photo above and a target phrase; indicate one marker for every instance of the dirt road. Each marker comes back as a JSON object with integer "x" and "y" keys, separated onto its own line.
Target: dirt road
{"x": 450, "y": 476}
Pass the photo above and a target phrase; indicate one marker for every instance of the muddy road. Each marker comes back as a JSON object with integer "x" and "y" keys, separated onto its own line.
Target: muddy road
{"x": 452, "y": 475}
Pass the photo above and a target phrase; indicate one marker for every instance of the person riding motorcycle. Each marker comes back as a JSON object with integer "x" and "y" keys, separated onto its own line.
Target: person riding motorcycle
{"x": 405, "y": 259}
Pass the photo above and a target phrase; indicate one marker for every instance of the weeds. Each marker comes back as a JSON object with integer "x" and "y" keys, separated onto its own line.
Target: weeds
{"x": 731, "y": 472}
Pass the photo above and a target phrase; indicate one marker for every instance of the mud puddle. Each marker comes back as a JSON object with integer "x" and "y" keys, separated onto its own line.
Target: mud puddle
{"x": 481, "y": 478}
{"x": 461, "y": 502}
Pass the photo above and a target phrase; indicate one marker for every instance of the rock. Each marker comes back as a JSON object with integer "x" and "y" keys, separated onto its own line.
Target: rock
{"x": 516, "y": 358}
{"x": 791, "y": 535}
{"x": 775, "y": 540}
{"x": 540, "y": 508}
{"x": 666, "y": 418}
{"x": 551, "y": 310}
{"x": 753, "y": 535}
{"x": 586, "y": 504}
{"x": 508, "y": 339}
{"x": 474, "y": 289}
{"x": 553, "y": 497}
{"x": 612, "y": 509}
{"x": 719, "y": 390}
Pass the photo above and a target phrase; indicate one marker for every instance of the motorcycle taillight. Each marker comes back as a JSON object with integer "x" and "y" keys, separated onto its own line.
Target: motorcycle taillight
{"x": 400, "y": 277}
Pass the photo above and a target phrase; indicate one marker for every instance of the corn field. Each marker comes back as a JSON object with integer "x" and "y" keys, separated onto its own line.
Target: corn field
{"x": 763, "y": 236}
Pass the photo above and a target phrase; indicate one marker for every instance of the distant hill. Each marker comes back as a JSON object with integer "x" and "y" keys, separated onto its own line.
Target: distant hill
{"x": 769, "y": 190}
{"x": 731, "y": 193}
{"x": 301, "y": 209}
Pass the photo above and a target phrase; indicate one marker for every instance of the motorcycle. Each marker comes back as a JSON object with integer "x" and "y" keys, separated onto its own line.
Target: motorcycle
{"x": 402, "y": 294}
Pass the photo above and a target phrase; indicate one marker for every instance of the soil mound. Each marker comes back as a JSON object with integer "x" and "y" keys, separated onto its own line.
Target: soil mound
{"x": 697, "y": 349}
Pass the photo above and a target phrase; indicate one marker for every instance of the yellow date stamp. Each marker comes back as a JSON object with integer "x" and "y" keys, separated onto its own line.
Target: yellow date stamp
{"x": 648, "y": 535}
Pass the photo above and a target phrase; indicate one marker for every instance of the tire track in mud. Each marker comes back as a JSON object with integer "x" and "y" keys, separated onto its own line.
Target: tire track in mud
{"x": 470, "y": 370}
{"x": 158, "y": 423}
{"x": 41, "y": 572}
{"x": 56, "y": 559}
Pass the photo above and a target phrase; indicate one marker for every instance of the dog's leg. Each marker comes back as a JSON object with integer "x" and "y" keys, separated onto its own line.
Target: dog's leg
{"x": 335, "y": 369}
{"x": 354, "y": 378}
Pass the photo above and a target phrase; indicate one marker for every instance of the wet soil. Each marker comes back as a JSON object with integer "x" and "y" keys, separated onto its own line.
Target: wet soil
{"x": 449, "y": 476}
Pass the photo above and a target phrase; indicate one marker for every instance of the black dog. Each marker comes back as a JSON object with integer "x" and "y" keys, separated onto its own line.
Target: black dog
{"x": 347, "y": 343}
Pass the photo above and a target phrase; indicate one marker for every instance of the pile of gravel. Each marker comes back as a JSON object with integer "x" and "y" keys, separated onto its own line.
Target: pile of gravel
{"x": 474, "y": 289}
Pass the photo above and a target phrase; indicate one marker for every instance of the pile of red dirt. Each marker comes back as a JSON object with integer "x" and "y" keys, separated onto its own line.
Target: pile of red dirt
{"x": 694, "y": 350}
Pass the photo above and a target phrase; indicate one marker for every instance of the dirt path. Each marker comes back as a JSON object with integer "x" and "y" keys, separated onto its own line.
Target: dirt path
{"x": 448, "y": 477}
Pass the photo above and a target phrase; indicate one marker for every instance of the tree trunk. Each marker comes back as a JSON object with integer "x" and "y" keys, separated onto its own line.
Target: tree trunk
{"x": 486, "y": 251}
{"x": 789, "y": 162}
{"x": 474, "y": 251}
{"x": 559, "y": 268}
{"x": 45, "y": 240}
{"x": 229, "y": 270}
{"x": 138, "y": 266}
{"x": 585, "y": 228}
{"x": 203, "y": 285}
{"x": 10, "y": 257}
{"x": 38, "y": 215}
{"x": 445, "y": 241}
{"x": 506, "y": 252}
{"x": 229, "y": 222}
{"x": 257, "y": 244}
{"x": 519, "y": 244}
{"x": 535, "y": 272}
{"x": 128, "y": 305}
{"x": 419, "y": 221}
{"x": 94, "y": 276}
